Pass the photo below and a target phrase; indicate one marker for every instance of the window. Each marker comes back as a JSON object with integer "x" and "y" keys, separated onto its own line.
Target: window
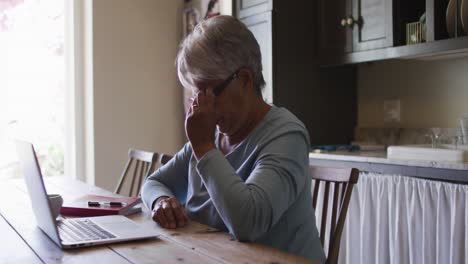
{"x": 32, "y": 83}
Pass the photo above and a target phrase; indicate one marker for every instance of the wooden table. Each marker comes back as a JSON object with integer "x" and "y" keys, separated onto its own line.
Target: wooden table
{"x": 22, "y": 241}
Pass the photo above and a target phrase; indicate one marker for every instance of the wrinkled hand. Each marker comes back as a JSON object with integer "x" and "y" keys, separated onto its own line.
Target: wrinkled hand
{"x": 169, "y": 213}
{"x": 200, "y": 123}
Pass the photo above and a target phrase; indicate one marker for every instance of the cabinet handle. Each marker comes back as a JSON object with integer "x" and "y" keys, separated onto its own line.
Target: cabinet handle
{"x": 344, "y": 22}
{"x": 350, "y": 21}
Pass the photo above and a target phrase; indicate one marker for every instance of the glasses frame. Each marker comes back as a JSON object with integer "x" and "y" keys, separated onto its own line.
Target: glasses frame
{"x": 218, "y": 89}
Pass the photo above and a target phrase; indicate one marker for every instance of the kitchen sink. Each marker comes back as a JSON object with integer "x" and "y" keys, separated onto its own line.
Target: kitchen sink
{"x": 443, "y": 153}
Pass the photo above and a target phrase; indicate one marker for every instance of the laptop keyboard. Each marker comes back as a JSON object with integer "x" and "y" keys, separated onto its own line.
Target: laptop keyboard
{"x": 81, "y": 230}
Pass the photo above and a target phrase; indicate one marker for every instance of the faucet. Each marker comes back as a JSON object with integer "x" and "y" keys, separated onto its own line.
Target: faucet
{"x": 435, "y": 135}
{"x": 434, "y": 139}
{"x": 463, "y": 130}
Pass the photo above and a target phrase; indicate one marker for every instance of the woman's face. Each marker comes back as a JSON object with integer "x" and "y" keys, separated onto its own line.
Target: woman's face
{"x": 231, "y": 104}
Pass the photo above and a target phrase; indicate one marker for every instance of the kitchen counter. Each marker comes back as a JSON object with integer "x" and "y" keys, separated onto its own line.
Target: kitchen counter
{"x": 377, "y": 161}
{"x": 381, "y": 157}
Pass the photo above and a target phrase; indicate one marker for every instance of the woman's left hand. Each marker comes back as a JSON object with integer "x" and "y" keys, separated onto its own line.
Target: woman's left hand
{"x": 200, "y": 123}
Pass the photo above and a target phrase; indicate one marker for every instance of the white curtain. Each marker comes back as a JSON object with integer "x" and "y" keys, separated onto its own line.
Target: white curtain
{"x": 397, "y": 219}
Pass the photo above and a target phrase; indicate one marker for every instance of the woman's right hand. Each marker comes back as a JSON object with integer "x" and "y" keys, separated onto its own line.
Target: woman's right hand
{"x": 169, "y": 213}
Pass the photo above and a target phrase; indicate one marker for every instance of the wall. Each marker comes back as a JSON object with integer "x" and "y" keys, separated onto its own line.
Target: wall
{"x": 137, "y": 98}
{"x": 432, "y": 93}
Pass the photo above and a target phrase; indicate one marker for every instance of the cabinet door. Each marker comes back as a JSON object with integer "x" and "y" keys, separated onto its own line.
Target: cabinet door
{"x": 247, "y": 8}
{"x": 374, "y": 24}
{"x": 261, "y": 27}
{"x": 335, "y": 38}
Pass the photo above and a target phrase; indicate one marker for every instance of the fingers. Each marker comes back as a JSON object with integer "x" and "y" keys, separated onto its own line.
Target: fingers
{"x": 201, "y": 99}
{"x": 172, "y": 223}
{"x": 169, "y": 213}
{"x": 209, "y": 94}
{"x": 190, "y": 109}
{"x": 204, "y": 100}
{"x": 193, "y": 105}
{"x": 179, "y": 213}
{"x": 159, "y": 217}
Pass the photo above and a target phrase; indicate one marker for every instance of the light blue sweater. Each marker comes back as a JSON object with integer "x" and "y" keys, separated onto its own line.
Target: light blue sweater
{"x": 259, "y": 192}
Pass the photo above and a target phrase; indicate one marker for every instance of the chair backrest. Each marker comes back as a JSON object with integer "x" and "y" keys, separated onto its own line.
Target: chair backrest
{"x": 145, "y": 163}
{"x": 164, "y": 158}
{"x": 341, "y": 181}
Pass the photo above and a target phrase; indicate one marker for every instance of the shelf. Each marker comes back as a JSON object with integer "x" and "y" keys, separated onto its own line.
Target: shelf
{"x": 405, "y": 12}
{"x": 440, "y": 48}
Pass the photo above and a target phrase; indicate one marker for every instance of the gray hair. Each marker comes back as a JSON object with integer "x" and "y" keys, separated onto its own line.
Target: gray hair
{"x": 215, "y": 49}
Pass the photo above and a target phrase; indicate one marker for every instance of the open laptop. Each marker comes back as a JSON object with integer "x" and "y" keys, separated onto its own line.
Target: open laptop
{"x": 76, "y": 232}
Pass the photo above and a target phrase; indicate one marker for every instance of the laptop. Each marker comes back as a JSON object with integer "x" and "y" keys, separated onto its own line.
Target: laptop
{"x": 75, "y": 232}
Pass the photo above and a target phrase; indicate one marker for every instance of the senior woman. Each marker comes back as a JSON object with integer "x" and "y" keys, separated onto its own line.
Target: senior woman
{"x": 245, "y": 168}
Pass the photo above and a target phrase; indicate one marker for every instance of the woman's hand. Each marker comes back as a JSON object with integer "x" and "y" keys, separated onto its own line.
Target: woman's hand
{"x": 169, "y": 213}
{"x": 200, "y": 123}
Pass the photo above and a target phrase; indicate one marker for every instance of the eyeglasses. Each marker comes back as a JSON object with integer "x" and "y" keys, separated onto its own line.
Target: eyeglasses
{"x": 218, "y": 89}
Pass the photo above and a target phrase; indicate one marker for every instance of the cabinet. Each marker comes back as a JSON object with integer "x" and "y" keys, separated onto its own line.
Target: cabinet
{"x": 261, "y": 27}
{"x": 323, "y": 98}
{"x": 372, "y": 24}
{"x": 334, "y": 37}
{"x": 355, "y": 31}
{"x": 354, "y": 25}
{"x": 245, "y": 8}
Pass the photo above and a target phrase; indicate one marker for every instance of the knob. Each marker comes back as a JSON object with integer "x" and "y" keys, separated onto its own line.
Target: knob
{"x": 350, "y": 21}
{"x": 344, "y": 22}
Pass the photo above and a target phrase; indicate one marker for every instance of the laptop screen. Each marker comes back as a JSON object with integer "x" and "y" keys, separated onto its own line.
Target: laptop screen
{"x": 36, "y": 189}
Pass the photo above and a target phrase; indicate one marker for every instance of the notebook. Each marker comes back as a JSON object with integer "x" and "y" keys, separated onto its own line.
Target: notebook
{"x": 80, "y": 207}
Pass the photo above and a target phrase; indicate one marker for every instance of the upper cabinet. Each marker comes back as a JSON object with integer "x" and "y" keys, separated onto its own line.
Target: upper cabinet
{"x": 372, "y": 24}
{"x": 262, "y": 29}
{"x": 354, "y": 25}
{"x": 245, "y": 8}
{"x": 336, "y": 37}
{"x": 354, "y": 31}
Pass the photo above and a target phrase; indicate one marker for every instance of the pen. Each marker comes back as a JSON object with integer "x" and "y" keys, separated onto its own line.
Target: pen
{"x": 97, "y": 204}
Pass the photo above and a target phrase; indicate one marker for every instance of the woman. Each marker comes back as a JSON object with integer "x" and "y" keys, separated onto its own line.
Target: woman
{"x": 245, "y": 168}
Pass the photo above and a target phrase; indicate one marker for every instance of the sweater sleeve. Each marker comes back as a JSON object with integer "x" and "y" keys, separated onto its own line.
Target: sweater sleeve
{"x": 169, "y": 180}
{"x": 249, "y": 209}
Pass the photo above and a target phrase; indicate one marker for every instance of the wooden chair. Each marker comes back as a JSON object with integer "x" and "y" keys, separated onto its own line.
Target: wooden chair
{"x": 144, "y": 166}
{"x": 164, "y": 158}
{"x": 342, "y": 181}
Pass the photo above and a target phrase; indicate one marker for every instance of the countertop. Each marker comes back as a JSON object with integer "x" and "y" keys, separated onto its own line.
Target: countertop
{"x": 380, "y": 157}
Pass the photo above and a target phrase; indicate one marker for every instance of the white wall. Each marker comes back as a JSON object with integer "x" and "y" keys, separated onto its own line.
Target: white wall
{"x": 432, "y": 93}
{"x": 137, "y": 98}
